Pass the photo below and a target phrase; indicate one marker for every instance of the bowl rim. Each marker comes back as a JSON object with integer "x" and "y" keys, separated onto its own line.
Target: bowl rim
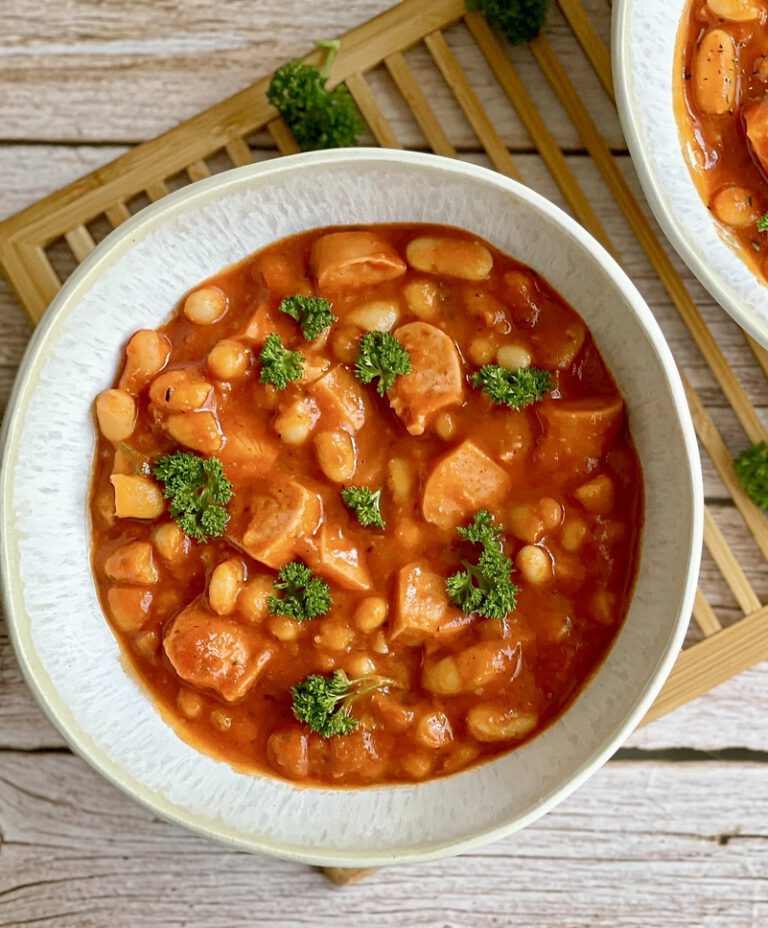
{"x": 621, "y": 52}
{"x": 56, "y": 710}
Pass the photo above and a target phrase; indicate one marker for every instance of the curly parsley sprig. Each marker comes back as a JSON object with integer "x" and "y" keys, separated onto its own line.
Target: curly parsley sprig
{"x": 381, "y": 355}
{"x": 519, "y": 20}
{"x": 324, "y": 703}
{"x": 366, "y": 505}
{"x": 279, "y": 366}
{"x": 198, "y": 490}
{"x": 516, "y": 389}
{"x": 486, "y": 587}
{"x": 305, "y": 596}
{"x": 751, "y": 468}
{"x": 313, "y": 313}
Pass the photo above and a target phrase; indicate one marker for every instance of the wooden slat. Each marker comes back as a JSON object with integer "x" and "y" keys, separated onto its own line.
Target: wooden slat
{"x": 371, "y": 112}
{"x": 32, "y": 275}
{"x": 117, "y": 213}
{"x": 283, "y": 137}
{"x": 761, "y": 355}
{"x": 712, "y": 661}
{"x": 530, "y": 117}
{"x": 419, "y": 105}
{"x": 563, "y": 86}
{"x": 343, "y": 876}
{"x": 239, "y": 152}
{"x": 471, "y": 106}
{"x": 590, "y": 41}
{"x": 80, "y": 241}
{"x": 156, "y": 191}
{"x": 704, "y": 615}
{"x": 198, "y": 170}
{"x": 730, "y": 568}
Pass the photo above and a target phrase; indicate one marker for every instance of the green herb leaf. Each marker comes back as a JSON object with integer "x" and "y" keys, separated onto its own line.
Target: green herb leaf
{"x": 279, "y": 365}
{"x": 324, "y": 703}
{"x": 762, "y": 223}
{"x": 519, "y": 20}
{"x": 313, "y": 314}
{"x": 319, "y": 118}
{"x": 381, "y": 355}
{"x": 198, "y": 490}
{"x": 305, "y": 596}
{"x": 751, "y": 468}
{"x": 365, "y": 503}
{"x": 486, "y": 587}
{"x": 516, "y": 389}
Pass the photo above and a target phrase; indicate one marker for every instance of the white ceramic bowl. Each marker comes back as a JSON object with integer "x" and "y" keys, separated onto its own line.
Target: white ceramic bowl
{"x": 644, "y": 38}
{"x": 64, "y": 645}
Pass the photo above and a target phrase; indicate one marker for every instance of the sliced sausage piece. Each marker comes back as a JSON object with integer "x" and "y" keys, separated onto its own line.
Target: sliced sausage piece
{"x": 353, "y": 259}
{"x": 756, "y": 121}
{"x": 435, "y": 379}
{"x": 577, "y": 432}
{"x": 215, "y": 652}
{"x": 338, "y": 560}
{"x": 422, "y": 607}
{"x": 465, "y": 480}
{"x": 279, "y": 522}
{"x": 340, "y": 396}
{"x": 132, "y": 563}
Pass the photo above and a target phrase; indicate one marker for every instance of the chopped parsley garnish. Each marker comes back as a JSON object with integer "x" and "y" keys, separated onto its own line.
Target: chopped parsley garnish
{"x": 279, "y": 365}
{"x": 324, "y": 703}
{"x": 305, "y": 596}
{"x": 751, "y": 468}
{"x": 198, "y": 490}
{"x": 313, "y": 314}
{"x": 762, "y": 223}
{"x": 365, "y": 503}
{"x": 381, "y": 355}
{"x": 486, "y": 587}
{"x": 519, "y": 20}
{"x": 318, "y": 118}
{"x": 516, "y": 389}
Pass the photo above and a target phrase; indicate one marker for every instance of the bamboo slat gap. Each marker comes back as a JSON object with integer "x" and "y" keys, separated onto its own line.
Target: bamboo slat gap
{"x": 535, "y": 126}
{"x": 705, "y": 615}
{"x": 239, "y": 152}
{"x": 730, "y": 568}
{"x": 712, "y": 661}
{"x": 470, "y": 104}
{"x": 715, "y": 446}
{"x": 422, "y": 111}
{"x": 80, "y": 241}
{"x": 601, "y": 154}
{"x": 156, "y": 191}
{"x": 117, "y": 213}
{"x": 594, "y": 47}
{"x": 198, "y": 170}
{"x": 371, "y": 111}
{"x": 283, "y": 137}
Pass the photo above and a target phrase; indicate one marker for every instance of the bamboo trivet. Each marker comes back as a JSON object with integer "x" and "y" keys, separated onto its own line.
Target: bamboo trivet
{"x": 188, "y": 153}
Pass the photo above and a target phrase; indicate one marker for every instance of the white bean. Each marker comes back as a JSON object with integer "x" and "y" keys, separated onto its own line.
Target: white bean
{"x": 225, "y": 584}
{"x": 336, "y": 454}
{"x": 116, "y": 414}
{"x": 452, "y": 257}
{"x": 535, "y": 564}
{"x": 228, "y": 359}
{"x": 206, "y": 305}
{"x": 715, "y": 73}
{"x": 735, "y": 206}
{"x": 136, "y": 497}
{"x": 294, "y": 424}
{"x": 379, "y": 316}
{"x": 514, "y": 357}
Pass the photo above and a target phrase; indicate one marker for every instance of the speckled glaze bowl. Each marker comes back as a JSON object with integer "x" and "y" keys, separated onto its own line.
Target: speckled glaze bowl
{"x": 644, "y": 39}
{"x": 66, "y": 649}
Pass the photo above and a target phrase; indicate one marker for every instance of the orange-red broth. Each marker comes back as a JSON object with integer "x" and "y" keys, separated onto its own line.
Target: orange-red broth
{"x": 515, "y": 675}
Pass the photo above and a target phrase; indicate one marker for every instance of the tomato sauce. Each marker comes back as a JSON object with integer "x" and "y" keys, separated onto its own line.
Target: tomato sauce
{"x": 561, "y": 476}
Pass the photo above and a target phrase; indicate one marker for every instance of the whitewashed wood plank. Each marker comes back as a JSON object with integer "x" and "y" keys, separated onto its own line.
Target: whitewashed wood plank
{"x": 66, "y": 66}
{"x": 641, "y": 844}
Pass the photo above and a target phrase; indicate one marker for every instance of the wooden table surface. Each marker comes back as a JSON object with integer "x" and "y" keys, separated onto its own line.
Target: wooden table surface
{"x": 672, "y": 832}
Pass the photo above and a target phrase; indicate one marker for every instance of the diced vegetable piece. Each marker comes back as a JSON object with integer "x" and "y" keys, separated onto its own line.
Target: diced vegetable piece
{"x": 146, "y": 354}
{"x": 199, "y": 431}
{"x": 215, "y": 653}
{"x": 422, "y": 608}
{"x": 343, "y": 260}
{"x": 339, "y": 561}
{"x": 577, "y": 432}
{"x": 340, "y": 397}
{"x": 451, "y": 257}
{"x": 129, "y": 607}
{"x": 279, "y": 523}
{"x": 464, "y": 480}
{"x": 179, "y": 391}
{"x": 435, "y": 379}
{"x": 136, "y": 497}
{"x": 132, "y": 563}
{"x": 116, "y": 414}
